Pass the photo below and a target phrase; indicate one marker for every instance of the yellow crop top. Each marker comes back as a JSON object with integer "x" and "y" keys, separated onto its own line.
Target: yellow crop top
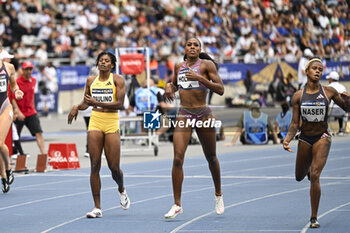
{"x": 103, "y": 91}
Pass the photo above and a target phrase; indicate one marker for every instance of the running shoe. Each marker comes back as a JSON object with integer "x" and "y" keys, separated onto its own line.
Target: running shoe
{"x": 9, "y": 176}
{"x": 5, "y": 185}
{"x": 174, "y": 211}
{"x": 124, "y": 200}
{"x": 95, "y": 213}
{"x": 314, "y": 223}
{"x": 219, "y": 205}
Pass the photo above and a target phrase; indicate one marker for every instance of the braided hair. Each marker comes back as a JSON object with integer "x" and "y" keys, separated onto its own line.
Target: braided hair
{"x": 111, "y": 56}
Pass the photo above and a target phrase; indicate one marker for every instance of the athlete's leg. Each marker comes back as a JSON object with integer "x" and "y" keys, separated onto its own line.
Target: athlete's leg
{"x": 303, "y": 160}
{"x": 112, "y": 151}
{"x": 40, "y": 142}
{"x": 320, "y": 153}
{"x": 207, "y": 137}
{"x": 5, "y": 124}
{"x": 96, "y": 140}
{"x": 181, "y": 138}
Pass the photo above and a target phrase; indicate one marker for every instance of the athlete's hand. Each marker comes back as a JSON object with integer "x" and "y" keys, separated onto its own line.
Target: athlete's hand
{"x": 19, "y": 115}
{"x": 169, "y": 94}
{"x": 73, "y": 114}
{"x": 286, "y": 146}
{"x": 90, "y": 100}
{"x": 18, "y": 94}
{"x": 191, "y": 75}
{"x": 345, "y": 95}
{"x": 229, "y": 144}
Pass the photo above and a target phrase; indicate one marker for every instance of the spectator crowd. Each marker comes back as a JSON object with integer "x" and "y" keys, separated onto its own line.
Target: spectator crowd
{"x": 252, "y": 31}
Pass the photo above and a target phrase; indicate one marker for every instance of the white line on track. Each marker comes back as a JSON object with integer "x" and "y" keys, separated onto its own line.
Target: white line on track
{"x": 141, "y": 201}
{"x": 306, "y": 227}
{"x": 70, "y": 195}
{"x": 244, "y": 202}
{"x": 220, "y": 160}
{"x": 237, "y": 230}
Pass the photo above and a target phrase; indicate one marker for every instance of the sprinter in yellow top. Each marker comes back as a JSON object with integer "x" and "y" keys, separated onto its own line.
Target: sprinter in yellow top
{"x": 105, "y": 92}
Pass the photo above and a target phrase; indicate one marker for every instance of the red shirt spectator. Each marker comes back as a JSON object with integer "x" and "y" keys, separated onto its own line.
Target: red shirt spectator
{"x": 26, "y": 105}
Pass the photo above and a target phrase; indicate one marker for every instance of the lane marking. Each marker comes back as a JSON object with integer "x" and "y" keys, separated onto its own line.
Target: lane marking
{"x": 306, "y": 227}
{"x": 141, "y": 201}
{"x": 244, "y": 202}
{"x": 70, "y": 195}
{"x": 237, "y": 230}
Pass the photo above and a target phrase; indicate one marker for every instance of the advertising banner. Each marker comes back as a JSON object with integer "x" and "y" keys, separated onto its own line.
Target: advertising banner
{"x": 132, "y": 63}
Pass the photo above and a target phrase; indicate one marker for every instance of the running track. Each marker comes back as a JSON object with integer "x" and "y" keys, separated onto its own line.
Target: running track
{"x": 260, "y": 195}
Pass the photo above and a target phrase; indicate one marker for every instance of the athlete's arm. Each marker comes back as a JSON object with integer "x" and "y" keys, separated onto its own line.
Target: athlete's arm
{"x": 171, "y": 87}
{"x": 12, "y": 80}
{"x": 83, "y": 105}
{"x": 341, "y": 99}
{"x": 239, "y": 129}
{"x": 17, "y": 112}
{"x": 294, "y": 125}
{"x": 271, "y": 128}
{"x": 214, "y": 84}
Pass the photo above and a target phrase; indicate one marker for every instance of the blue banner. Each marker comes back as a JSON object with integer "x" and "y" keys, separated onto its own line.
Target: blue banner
{"x": 70, "y": 78}
{"x": 46, "y": 103}
{"x": 342, "y": 68}
{"x": 231, "y": 73}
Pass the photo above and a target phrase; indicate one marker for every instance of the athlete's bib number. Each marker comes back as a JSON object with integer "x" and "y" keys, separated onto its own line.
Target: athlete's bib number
{"x": 313, "y": 113}
{"x": 103, "y": 95}
{"x": 183, "y": 82}
{"x": 3, "y": 85}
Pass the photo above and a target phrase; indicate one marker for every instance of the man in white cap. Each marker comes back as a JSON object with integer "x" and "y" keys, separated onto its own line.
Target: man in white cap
{"x": 5, "y": 55}
{"x": 302, "y": 79}
{"x": 335, "y": 110}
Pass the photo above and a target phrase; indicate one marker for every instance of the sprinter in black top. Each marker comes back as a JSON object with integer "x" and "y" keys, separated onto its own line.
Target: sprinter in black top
{"x": 7, "y": 76}
{"x": 310, "y": 104}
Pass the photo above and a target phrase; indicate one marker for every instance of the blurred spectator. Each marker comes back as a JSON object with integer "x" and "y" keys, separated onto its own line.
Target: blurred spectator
{"x": 254, "y": 127}
{"x": 41, "y": 54}
{"x": 249, "y": 84}
{"x": 289, "y": 88}
{"x": 25, "y": 109}
{"x": 276, "y": 88}
{"x": 221, "y": 25}
{"x": 302, "y": 79}
{"x": 334, "y": 109}
{"x": 283, "y": 120}
{"x": 51, "y": 74}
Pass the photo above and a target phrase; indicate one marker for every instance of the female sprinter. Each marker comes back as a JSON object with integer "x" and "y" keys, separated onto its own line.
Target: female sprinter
{"x": 105, "y": 92}
{"x": 194, "y": 78}
{"x": 311, "y": 104}
{"x": 7, "y": 75}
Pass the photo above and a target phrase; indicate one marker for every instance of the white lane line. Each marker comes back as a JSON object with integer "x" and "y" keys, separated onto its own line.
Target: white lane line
{"x": 237, "y": 177}
{"x": 142, "y": 201}
{"x": 69, "y": 195}
{"x": 244, "y": 202}
{"x": 237, "y": 230}
{"x": 189, "y": 177}
{"x": 43, "y": 184}
{"x": 220, "y": 160}
{"x": 306, "y": 227}
{"x": 275, "y": 166}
